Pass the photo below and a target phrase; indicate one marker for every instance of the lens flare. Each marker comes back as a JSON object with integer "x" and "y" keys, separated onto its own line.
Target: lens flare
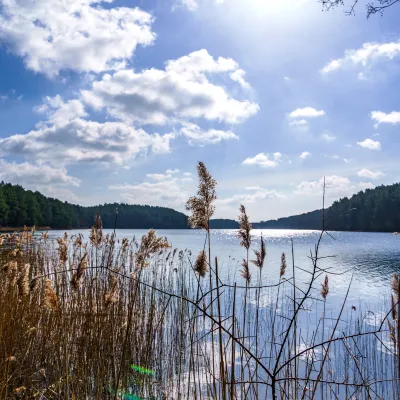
{"x": 142, "y": 370}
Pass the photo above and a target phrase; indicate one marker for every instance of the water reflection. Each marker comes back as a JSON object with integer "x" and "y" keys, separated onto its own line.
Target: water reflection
{"x": 372, "y": 257}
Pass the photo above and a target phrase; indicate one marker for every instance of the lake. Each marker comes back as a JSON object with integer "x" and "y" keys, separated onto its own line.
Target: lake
{"x": 373, "y": 258}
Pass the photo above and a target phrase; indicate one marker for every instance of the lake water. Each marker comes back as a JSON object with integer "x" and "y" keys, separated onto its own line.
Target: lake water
{"x": 372, "y": 258}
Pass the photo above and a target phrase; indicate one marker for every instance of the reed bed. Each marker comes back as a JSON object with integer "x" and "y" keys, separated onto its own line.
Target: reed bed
{"x": 104, "y": 317}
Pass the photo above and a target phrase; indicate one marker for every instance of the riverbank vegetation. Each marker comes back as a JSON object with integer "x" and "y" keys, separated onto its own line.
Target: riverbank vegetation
{"x": 104, "y": 317}
{"x": 19, "y": 207}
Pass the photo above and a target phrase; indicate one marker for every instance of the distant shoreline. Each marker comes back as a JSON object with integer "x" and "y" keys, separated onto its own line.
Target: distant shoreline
{"x": 19, "y": 228}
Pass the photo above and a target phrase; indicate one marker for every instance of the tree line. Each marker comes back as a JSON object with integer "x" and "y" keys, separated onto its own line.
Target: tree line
{"x": 19, "y": 207}
{"x": 373, "y": 210}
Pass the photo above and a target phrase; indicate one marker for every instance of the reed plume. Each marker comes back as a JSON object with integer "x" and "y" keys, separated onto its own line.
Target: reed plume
{"x": 124, "y": 245}
{"x": 45, "y": 235}
{"x": 78, "y": 242}
{"x": 50, "y": 299}
{"x": 77, "y": 278}
{"x": 325, "y": 288}
{"x": 96, "y": 233}
{"x": 11, "y": 270}
{"x": 244, "y": 228}
{"x": 150, "y": 245}
{"x": 19, "y": 391}
{"x": 23, "y": 280}
{"x": 283, "y": 265}
{"x": 260, "y": 255}
{"x": 245, "y": 271}
{"x": 62, "y": 249}
{"x": 200, "y": 265}
{"x": 110, "y": 296}
{"x": 201, "y": 206}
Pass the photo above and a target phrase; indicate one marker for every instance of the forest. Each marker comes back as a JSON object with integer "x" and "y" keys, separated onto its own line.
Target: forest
{"x": 372, "y": 210}
{"x": 19, "y": 207}
{"x": 376, "y": 210}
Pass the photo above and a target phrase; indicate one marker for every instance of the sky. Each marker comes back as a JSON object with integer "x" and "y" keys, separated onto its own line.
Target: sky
{"x": 117, "y": 101}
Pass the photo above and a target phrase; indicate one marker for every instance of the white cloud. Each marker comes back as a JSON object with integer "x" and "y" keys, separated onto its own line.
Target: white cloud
{"x": 370, "y": 144}
{"x": 298, "y": 122}
{"x": 172, "y": 171}
{"x": 79, "y": 35}
{"x": 170, "y": 174}
{"x": 306, "y": 112}
{"x": 270, "y": 160}
{"x": 327, "y": 137}
{"x": 168, "y": 190}
{"x": 384, "y": 118}
{"x": 192, "y": 5}
{"x": 197, "y": 136}
{"x": 67, "y": 137}
{"x": 367, "y": 54}
{"x": 305, "y": 154}
{"x": 300, "y": 125}
{"x": 181, "y": 91}
{"x": 255, "y": 194}
{"x": 238, "y": 76}
{"x": 34, "y": 175}
{"x": 366, "y": 173}
{"x": 287, "y": 78}
{"x": 335, "y": 185}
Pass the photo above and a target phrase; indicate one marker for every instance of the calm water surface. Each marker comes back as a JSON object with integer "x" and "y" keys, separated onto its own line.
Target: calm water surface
{"x": 371, "y": 258}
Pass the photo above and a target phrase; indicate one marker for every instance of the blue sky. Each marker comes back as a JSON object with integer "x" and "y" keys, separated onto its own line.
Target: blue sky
{"x": 118, "y": 100}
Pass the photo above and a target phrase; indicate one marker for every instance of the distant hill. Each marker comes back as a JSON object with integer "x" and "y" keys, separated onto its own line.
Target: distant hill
{"x": 19, "y": 207}
{"x": 374, "y": 210}
{"x": 224, "y": 224}
{"x": 310, "y": 220}
{"x": 370, "y": 210}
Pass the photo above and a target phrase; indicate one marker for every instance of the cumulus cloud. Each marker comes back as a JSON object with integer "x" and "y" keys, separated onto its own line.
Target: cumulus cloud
{"x": 254, "y": 194}
{"x": 306, "y": 112}
{"x": 180, "y": 91}
{"x": 67, "y": 137}
{"x": 305, "y": 154}
{"x": 370, "y": 144}
{"x": 164, "y": 189}
{"x": 364, "y": 56}
{"x": 335, "y": 185}
{"x": 78, "y": 35}
{"x": 33, "y": 175}
{"x": 270, "y": 160}
{"x": 366, "y": 173}
{"x": 238, "y": 76}
{"x": 170, "y": 174}
{"x": 386, "y": 118}
{"x": 198, "y": 136}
